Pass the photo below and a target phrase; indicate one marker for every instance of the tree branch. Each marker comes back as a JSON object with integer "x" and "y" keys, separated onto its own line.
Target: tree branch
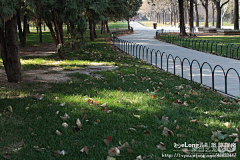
{"x": 224, "y": 4}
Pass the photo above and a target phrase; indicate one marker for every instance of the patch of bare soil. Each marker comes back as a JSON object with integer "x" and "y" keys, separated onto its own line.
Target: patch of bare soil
{"x": 36, "y": 51}
{"x": 53, "y": 74}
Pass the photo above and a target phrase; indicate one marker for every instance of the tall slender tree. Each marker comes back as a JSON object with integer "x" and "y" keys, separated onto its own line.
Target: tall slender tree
{"x": 205, "y": 6}
{"x": 219, "y": 11}
{"x": 181, "y": 18}
{"x": 236, "y": 14}
{"x": 9, "y": 40}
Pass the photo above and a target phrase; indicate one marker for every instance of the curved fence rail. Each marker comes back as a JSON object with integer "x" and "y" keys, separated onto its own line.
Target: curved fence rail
{"x": 218, "y": 48}
{"x": 181, "y": 67}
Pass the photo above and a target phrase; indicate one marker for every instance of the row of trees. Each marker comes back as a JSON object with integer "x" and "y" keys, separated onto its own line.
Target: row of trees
{"x": 188, "y": 7}
{"x": 79, "y": 15}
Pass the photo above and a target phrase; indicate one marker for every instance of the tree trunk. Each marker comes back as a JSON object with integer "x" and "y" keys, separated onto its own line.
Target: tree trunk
{"x": 102, "y": 27}
{"x": 191, "y": 18}
{"x": 128, "y": 24}
{"x": 213, "y": 14}
{"x": 49, "y": 24}
{"x": 91, "y": 30}
{"x": 219, "y": 8}
{"x": 22, "y": 33}
{"x": 236, "y": 15}
{"x": 59, "y": 34}
{"x": 196, "y": 14}
{"x": 218, "y": 23}
{"x": 40, "y": 29}
{"x": 28, "y": 29}
{"x": 9, "y": 50}
{"x": 94, "y": 30}
{"x": 44, "y": 27}
{"x": 181, "y": 18}
{"x": 106, "y": 22}
{"x": 71, "y": 31}
{"x": 205, "y": 7}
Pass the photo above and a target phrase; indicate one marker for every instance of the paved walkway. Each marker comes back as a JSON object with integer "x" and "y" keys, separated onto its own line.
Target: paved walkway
{"x": 145, "y": 36}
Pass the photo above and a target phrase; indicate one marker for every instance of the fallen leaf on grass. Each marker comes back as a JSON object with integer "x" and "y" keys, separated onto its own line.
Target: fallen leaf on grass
{"x": 136, "y": 116}
{"x": 153, "y": 96}
{"x": 233, "y": 135}
{"x": 185, "y": 150}
{"x": 114, "y": 151}
{"x": 119, "y": 89}
{"x": 78, "y": 123}
{"x": 10, "y": 108}
{"x": 177, "y": 102}
{"x": 39, "y": 149}
{"x": 177, "y": 128}
{"x": 65, "y": 125}
{"x": 165, "y": 118}
{"x": 58, "y": 132}
{"x": 63, "y": 104}
{"x": 104, "y": 104}
{"x": 236, "y": 140}
{"x": 161, "y": 146}
{"x": 179, "y": 87}
{"x": 227, "y": 124}
{"x": 106, "y": 110}
{"x": 194, "y": 121}
{"x": 225, "y": 103}
{"x": 132, "y": 129}
{"x": 65, "y": 117}
{"x": 147, "y": 132}
{"x": 138, "y": 110}
{"x": 186, "y": 96}
{"x": 139, "y": 157}
{"x": 167, "y": 132}
{"x": 85, "y": 149}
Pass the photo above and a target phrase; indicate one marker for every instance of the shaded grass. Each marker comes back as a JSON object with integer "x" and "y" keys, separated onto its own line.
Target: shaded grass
{"x": 125, "y": 89}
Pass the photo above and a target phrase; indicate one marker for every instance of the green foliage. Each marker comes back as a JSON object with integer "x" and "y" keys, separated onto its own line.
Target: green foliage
{"x": 7, "y": 9}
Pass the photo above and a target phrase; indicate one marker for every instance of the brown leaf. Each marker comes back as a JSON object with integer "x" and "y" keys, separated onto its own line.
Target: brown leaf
{"x": 147, "y": 132}
{"x": 114, "y": 151}
{"x": 194, "y": 121}
{"x": 177, "y": 128}
{"x": 167, "y": 132}
{"x": 161, "y": 146}
{"x": 10, "y": 108}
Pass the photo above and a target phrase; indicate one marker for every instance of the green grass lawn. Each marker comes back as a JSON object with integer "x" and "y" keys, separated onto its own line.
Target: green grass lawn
{"x": 225, "y": 45}
{"x": 140, "y": 109}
